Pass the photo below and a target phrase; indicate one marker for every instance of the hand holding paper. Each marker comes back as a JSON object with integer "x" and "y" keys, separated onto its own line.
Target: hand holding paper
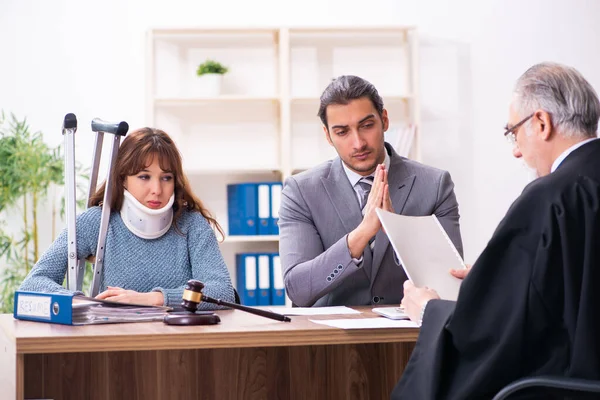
{"x": 415, "y": 298}
{"x": 425, "y": 252}
{"x": 461, "y": 273}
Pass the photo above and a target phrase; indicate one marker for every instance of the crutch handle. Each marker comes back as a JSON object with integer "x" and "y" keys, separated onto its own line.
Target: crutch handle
{"x": 116, "y": 128}
{"x": 70, "y": 122}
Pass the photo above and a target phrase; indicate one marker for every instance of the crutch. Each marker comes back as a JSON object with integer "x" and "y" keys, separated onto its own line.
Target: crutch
{"x": 69, "y": 128}
{"x": 76, "y": 268}
{"x": 118, "y": 130}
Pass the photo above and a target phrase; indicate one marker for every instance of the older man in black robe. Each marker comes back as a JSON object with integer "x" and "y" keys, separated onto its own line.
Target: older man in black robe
{"x": 530, "y": 305}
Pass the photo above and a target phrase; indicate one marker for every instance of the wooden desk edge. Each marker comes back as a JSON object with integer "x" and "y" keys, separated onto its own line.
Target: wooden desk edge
{"x": 213, "y": 340}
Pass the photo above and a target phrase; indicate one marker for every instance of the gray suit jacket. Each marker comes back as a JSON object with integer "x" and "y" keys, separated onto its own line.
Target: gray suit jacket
{"x": 318, "y": 210}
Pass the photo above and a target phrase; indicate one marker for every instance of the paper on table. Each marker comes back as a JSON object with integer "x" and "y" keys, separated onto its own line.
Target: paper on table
{"x": 425, "y": 251}
{"x": 87, "y": 310}
{"x": 315, "y": 310}
{"x": 366, "y": 323}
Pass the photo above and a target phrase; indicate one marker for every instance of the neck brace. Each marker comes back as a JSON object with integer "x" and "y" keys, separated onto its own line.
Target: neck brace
{"x": 145, "y": 222}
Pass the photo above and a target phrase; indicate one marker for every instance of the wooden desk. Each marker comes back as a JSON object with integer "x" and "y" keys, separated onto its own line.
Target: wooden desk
{"x": 244, "y": 357}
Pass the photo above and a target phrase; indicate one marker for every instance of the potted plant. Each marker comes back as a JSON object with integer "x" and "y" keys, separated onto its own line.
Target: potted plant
{"x": 29, "y": 168}
{"x": 210, "y": 74}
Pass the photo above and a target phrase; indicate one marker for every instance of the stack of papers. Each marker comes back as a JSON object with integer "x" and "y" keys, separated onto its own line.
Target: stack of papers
{"x": 88, "y": 311}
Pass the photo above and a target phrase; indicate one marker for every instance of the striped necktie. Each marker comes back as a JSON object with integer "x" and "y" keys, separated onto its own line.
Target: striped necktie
{"x": 365, "y": 184}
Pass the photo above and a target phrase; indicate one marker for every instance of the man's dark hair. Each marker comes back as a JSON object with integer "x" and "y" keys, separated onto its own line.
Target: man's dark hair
{"x": 346, "y": 88}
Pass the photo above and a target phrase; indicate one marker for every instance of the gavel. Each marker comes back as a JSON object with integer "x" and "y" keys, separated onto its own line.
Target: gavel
{"x": 193, "y": 296}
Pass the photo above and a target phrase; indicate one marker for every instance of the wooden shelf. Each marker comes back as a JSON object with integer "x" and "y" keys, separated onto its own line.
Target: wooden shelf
{"x": 217, "y": 31}
{"x": 354, "y": 30}
{"x": 251, "y": 238}
{"x": 194, "y": 101}
{"x": 386, "y": 98}
{"x": 232, "y": 171}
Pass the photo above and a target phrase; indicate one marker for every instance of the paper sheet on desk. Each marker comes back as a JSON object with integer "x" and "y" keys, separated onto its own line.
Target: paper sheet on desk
{"x": 366, "y": 323}
{"x": 315, "y": 310}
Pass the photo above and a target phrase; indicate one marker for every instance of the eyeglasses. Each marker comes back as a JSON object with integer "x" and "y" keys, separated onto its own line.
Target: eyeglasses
{"x": 511, "y": 133}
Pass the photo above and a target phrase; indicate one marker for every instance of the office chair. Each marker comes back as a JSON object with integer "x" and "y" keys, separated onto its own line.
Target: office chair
{"x": 570, "y": 385}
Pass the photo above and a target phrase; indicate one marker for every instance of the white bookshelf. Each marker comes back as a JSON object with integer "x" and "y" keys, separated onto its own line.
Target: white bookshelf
{"x": 264, "y": 127}
{"x": 250, "y": 239}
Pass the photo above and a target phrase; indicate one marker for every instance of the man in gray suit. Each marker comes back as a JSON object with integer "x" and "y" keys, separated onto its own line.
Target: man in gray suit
{"x": 333, "y": 250}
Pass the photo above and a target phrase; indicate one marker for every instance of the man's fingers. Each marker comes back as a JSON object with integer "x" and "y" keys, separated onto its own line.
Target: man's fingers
{"x": 379, "y": 188}
{"x": 459, "y": 273}
{"x": 387, "y": 202}
{"x": 376, "y": 177}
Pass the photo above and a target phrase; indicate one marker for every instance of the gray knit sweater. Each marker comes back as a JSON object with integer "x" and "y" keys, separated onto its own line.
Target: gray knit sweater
{"x": 164, "y": 264}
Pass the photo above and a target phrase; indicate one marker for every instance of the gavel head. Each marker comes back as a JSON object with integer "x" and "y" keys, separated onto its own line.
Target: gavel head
{"x": 192, "y": 295}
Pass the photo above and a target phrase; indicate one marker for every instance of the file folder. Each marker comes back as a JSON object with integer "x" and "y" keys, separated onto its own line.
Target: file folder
{"x": 276, "y": 188}
{"x": 242, "y": 208}
{"x": 70, "y": 309}
{"x": 246, "y": 269}
{"x": 264, "y": 208}
{"x": 55, "y": 308}
{"x": 264, "y": 279}
{"x": 278, "y": 287}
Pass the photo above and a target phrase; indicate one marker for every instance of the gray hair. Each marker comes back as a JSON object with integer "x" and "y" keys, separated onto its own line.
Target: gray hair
{"x": 345, "y": 88}
{"x": 562, "y": 92}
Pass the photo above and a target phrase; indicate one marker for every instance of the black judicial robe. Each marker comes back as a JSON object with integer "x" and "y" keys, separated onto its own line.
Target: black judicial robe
{"x": 531, "y": 303}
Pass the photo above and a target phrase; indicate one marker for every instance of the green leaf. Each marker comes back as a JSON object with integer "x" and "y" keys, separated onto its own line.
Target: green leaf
{"x": 211, "y": 67}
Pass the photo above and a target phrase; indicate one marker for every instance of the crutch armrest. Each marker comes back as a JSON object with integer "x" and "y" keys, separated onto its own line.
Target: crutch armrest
{"x": 116, "y": 128}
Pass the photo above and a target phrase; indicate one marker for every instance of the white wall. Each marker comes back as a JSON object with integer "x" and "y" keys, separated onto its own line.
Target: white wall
{"x": 88, "y": 58}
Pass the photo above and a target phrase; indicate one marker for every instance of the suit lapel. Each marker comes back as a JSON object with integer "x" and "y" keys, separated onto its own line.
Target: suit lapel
{"x": 400, "y": 184}
{"x": 342, "y": 196}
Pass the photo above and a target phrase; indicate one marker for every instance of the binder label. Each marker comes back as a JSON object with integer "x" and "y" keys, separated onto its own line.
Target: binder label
{"x": 250, "y": 273}
{"x": 263, "y": 272}
{"x": 275, "y": 199}
{"x": 33, "y": 306}
{"x": 277, "y": 274}
{"x": 263, "y": 201}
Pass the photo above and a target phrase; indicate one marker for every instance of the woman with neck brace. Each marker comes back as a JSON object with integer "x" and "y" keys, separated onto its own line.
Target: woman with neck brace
{"x": 159, "y": 234}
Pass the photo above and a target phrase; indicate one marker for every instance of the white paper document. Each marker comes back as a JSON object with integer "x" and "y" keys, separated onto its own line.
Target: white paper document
{"x": 366, "y": 323}
{"x": 87, "y": 311}
{"x": 315, "y": 310}
{"x": 425, "y": 251}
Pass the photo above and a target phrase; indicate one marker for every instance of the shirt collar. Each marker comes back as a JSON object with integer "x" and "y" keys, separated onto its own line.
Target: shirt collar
{"x": 568, "y": 151}
{"x": 353, "y": 177}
